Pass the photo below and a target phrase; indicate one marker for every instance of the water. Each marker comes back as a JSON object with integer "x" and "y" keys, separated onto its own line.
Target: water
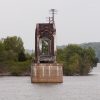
{"x": 73, "y": 88}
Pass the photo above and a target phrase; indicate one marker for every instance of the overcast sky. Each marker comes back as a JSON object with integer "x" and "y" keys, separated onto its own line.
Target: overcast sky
{"x": 77, "y": 21}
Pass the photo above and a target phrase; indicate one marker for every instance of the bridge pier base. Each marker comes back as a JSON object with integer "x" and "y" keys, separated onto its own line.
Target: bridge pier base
{"x": 46, "y": 73}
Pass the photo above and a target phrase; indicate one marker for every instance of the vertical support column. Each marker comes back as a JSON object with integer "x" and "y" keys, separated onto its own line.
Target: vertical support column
{"x": 49, "y": 71}
{"x": 57, "y": 71}
{"x": 35, "y": 71}
{"x": 49, "y": 51}
{"x": 43, "y": 71}
{"x": 55, "y": 46}
{"x": 38, "y": 51}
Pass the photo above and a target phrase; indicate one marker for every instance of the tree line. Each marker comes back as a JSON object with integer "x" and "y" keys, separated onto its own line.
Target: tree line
{"x": 12, "y": 49}
{"x": 13, "y": 58}
{"x": 14, "y": 61}
{"x": 95, "y": 46}
{"x": 77, "y": 60}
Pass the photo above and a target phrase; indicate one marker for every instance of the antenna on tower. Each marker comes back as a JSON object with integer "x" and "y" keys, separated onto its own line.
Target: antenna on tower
{"x": 49, "y": 19}
{"x": 53, "y": 12}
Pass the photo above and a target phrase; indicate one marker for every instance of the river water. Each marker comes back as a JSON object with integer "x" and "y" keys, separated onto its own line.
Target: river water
{"x": 73, "y": 88}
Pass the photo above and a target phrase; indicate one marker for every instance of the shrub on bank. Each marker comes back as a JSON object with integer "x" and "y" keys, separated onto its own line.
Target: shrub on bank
{"x": 20, "y": 68}
{"x": 76, "y": 60}
{"x": 15, "y": 68}
{"x": 13, "y": 59}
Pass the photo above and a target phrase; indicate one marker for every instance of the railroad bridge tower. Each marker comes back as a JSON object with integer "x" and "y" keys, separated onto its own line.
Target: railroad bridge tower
{"x": 45, "y": 49}
{"x": 45, "y": 68}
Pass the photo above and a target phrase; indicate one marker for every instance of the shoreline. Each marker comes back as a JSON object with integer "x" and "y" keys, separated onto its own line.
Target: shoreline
{"x": 8, "y": 74}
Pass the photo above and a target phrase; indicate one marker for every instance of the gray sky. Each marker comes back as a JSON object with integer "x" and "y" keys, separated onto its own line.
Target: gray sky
{"x": 77, "y": 21}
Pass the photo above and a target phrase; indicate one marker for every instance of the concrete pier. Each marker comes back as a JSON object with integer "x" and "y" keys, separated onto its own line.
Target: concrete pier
{"x": 46, "y": 73}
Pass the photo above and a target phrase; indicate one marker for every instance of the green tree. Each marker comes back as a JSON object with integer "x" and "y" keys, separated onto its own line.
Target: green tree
{"x": 14, "y": 43}
{"x": 60, "y": 56}
{"x": 76, "y": 60}
{"x": 21, "y": 56}
{"x": 2, "y": 51}
{"x": 15, "y": 48}
{"x": 1, "y": 46}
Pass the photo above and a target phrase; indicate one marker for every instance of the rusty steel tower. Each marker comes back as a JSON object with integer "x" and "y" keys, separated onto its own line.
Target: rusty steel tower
{"x": 45, "y": 68}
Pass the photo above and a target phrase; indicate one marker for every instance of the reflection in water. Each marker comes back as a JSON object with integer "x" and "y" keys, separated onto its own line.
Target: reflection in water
{"x": 73, "y": 88}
